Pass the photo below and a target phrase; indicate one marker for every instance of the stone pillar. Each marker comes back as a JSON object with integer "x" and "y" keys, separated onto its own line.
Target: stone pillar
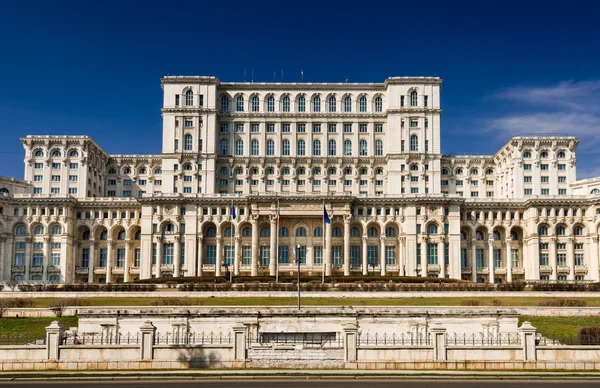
{"x": 148, "y": 331}
{"x": 159, "y": 252}
{"x": 273, "y": 247}
{"x": 177, "y": 258}
{"x": 402, "y": 256}
{"x": 438, "y": 336}
{"x": 424, "y": 258}
{"x": 219, "y": 256}
{"x": 109, "y": 261}
{"x": 254, "y": 264}
{"x": 491, "y": 260}
{"x": 508, "y": 260}
{"x": 365, "y": 262}
{"x": 327, "y": 249}
{"x": 54, "y": 335}
{"x": 128, "y": 251}
{"x": 350, "y": 332}
{"x": 474, "y": 260}
{"x": 4, "y": 267}
{"x": 239, "y": 342}
{"x": 200, "y": 256}
{"x": 592, "y": 260}
{"x": 527, "y": 333}
{"x": 570, "y": 259}
{"x": 347, "y": 245}
{"x": 382, "y": 255}
{"x": 551, "y": 258}
{"x": 46, "y": 261}
{"x": 442, "y": 258}
{"x": 28, "y": 243}
{"x": 92, "y": 263}
{"x": 237, "y": 255}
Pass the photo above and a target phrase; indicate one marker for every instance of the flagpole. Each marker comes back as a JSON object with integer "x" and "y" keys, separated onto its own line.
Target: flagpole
{"x": 277, "y": 251}
{"x": 323, "y": 252}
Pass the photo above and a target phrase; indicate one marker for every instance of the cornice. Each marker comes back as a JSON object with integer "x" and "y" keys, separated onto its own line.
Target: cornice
{"x": 305, "y": 116}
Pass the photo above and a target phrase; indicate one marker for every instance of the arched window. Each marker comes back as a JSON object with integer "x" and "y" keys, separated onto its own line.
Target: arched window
{"x": 188, "y": 142}
{"x": 526, "y": 155}
{"x": 157, "y": 171}
{"x": 189, "y": 98}
{"x": 444, "y": 171}
{"x": 127, "y": 170}
{"x": 316, "y": 171}
{"x": 378, "y": 104}
{"x": 301, "y": 148}
{"x": 496, "y": 235}
{"x": 544, "y": 154}
{"x": 332, "y": 104}
{"x": 414, "y": 167}
{"x": 560, "y": 230}
{"x": 224, "y": 147}
{"x": 432, "y": 229}
{"x": 270, "y": 147}
{"x": 224, "y": 103}
{"x": 142, "y": 171}
{"x": 285, "y": 171}
{"x": 265, "y": 232}
{"x": 595, "y": 192}
{"x": 363, "y": 148}
{"x": 284, "y": 232}
{"x": 489, "y": 171}
{"x": 285, "y": 147}
{"x": 112, "y": 170}
{"x": 561, "y": 155}
{"x": 285, "y": 104}
{"x": 372, "y": 232}
{"x": 56, "y": 154}
{"x": 86, "y": 235}
{"x": 458, "y": 171}
{"x": 316, "y": 148}
{"x": 38, "y": 153}
{"x": 413, "y": 98}
{"x": 300, "y": 232}
{"x": 138, "y": 235}
{"x": 332, "y": 148}
{"x": 348, "y": 147}
{"x": 348, "y": 171}
{"x": 239, "y": 171}
{"x": 168, "y": 228}
{"x": 254, "y": 150}
{"x": 254, "y": 171}
{"x": 514, "y": 235}
{"x": 379, "y": 171}
{"x": 336, "y": 232}
{"x": 21, "y": 230}
{"x": 463, "y": 235}
{"x": 364, "y": 171}
{"x": 270, "y": 171}
{"x": 390, "y": 232}
{"x": 255, "y": 104}
{"x": 474, "y": 171}
{"x": 414, "y": 143}
{"x": 543, "y": 230}
{"x": 301, "y": 171}
{"x": 104, "y": 235}
{"x": 378, "y": 148}
{"x": 347, "y": 104}
{"x": 211, "y": 232}
{"x": 247, "y": 232}
{"x": 239, "y": 147}
{"x": 73, "y": 154}
{"x": 121, "y": 235}
{"x": 239, "y": 104}
{"x": 362, "y": 104}
{"x": 4, "y": 190}
{"x": 224, "y": 171}
{"x": 318, "y": 232}
{"x": 478, "y": 236}
{"x": 354, "y": 232}
{"x": 228, "y": 232}
{"x": 317, "y": 104}
{"x": 271, "y": 104}
{"x": 39, "y": 229}
{"x": 56, "y": 229}
{"x": 578, "y": 230}
{"x": 301, "y": 104}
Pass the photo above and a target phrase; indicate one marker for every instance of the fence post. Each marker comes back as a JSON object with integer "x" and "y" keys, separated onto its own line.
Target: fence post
{"x": 527, "y": 333}
{"x": 438, "y": 336}
{"x": 148, "y": 331}
{"x": 239, "y": 342}
{"x": 54, "y": 335}
{"x": 350, "y": 342}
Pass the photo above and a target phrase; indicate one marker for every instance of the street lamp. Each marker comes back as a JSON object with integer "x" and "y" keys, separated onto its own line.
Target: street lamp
{"x": 298, "y": 260}
{"x": 226, "y": 265}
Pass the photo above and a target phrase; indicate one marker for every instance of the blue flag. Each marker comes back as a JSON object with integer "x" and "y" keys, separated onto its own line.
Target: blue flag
{"x": 326, "y": 216}
{"x": 233, "y": 211}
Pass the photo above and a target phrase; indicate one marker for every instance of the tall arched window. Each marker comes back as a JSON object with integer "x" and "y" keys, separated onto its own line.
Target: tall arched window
{"x": 301, "y": 232}
{"x": 354, "y": 232}
{"x": 255, "y": 148}
{"x": 332, "y": 148}
{"x": 316, "y": 148}
{"x": 239, "y": 147}
{"x": 317, "y": 104}
{"x": 239, "y": 104}
{"x": 301, "y": 148}
{"x": 224, "y": 104}
{"x": 285, "y": 147}
{"x": 414, "y": 143}
{"x": 39, "y": 229}
{"x": 285, "y": 104}
{"x": 284, "y": 232}
{"x": 347, "y": 104}
{"x": 21, "y": 230}
{"x": 121, "y": 235}
{"x": 247, "y": 232}
{"x": 255, "y": 104}
{"x": 188, "y": 142}
{"x": 372, "y": 232}
{"x": 362, "y": 104}
{"x": 336, "y": 232}
{"x": 271, "y": 104}
{"x": 224, "y": 147}
{"x": 543, "y": 230}
{"x": 497, "y": 236}
{"x": 56, "y": 229}
{"x": 265, "y": 232}
{"x": 270, "y": 147}
{"x": 379, "y": 148}
{"x": 189, "y": 98}
{"x": 348, "y": 147}
{"x": 378, "y": 104}
{"x": 390, "y": 232}
{"x": 318, "y": 232}
{"x": 301, "y": 104}
{"x": 413, "y": 98}
{"x": 211, "y": 232}
{"x": 432, "y": 229}
{"x": 332, "y": 104}
{"x": 363, "y": 148}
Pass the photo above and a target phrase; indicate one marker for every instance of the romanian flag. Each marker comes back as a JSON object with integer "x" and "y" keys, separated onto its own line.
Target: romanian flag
{"x": 278, "y": 217}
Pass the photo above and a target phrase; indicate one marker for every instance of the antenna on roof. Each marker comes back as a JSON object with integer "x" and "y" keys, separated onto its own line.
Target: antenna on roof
{"x": 346, "y": 79}
{"x": 252, "y": 79}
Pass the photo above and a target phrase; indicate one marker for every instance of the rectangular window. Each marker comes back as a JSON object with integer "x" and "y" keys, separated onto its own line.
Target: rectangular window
{"x": 561, "y": 259}
{"x": 348, "y": 128}
{"x": 545, "y": 191}
{"x": 228, "y": 254}
{"x": 544, "y": 167}
{"x": 527, "y": 167}
{"x": 355, "y": 261}
{"x": 480, "y": 259}
{"x": 318, "y": 254}
{"x": 254, "y": 127}
{"x": 120, "y": 258}
{"x": 464, "y": 259}
{"x": 497, "y": 258}
{"x": 528, "y": 191}
{"x": 38, "y": 165}
{"x": 562, "y": 179}
{"x": 418, "y": 254}
{"x": 300, "y": 128}
{"x": 579, "y": 259}
{"x": 316, "y": 128}
{"x": 239, "y": 128}
{"x": 246, "y": 255}
{"x": 562, "y": 191}
{"x": 390, "y": 255}
{"x": 265, "y": 251}
{"x": 527, "y": 179}
{"x": 372, "y": 255}
{"x": 432, "y": 254}
{"x": 562, "y": 167}
{"x": 545, "y": 179}
{"x": 285, "y": 128}
{"x": 211, "y": 255}
{"x": 283, "y": 256}
{"x": 103, "y": 257}
{"x": 332, "y": 128}
{"x": 188, "y": 123}
{"x": 137, "y": 257}
{"x": 336, "y": 256}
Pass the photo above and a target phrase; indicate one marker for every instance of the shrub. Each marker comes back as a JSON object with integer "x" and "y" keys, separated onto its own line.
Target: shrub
{"x": 58, "y": 306}
{"x": 515, "y": 286}
{"x": 172, "y": 302}
{"x": 589, "y": 335}
{"x": 7, "y": 303}
{"x": 470, "y": 302}
{"x": 563, "y": 302}
{"x": 12, "y": 284}
{"x": 496, "y": 302}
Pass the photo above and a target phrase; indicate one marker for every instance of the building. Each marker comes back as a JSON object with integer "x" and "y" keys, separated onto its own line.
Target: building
{"x": 277, "y": 154}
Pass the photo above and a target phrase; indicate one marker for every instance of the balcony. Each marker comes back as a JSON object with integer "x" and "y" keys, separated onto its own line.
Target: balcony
{"x": 82, "y": 270}
{"x": 465, "y": 270}
{"x": 518, "y": 271}
{"x": 546, "y": 269}
{"x": 54, "y": 269}
{"x": 134, "y": 270}
{"x": 36, "y": 269}
{"x": 563, "y": 269}
{"x": 433, "y": 268}
{"x": 118, "y": 270}
{"x": 581, "y": 269}
{"x": 500, "y": 270}
{"x": 18, "y": 269}
{"x": 166, "y": 267}
{"x": 483, "y": 271}
{"x": 100, "y": 270}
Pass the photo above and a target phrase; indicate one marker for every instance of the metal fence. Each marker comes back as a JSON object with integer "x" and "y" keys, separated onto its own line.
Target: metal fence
{"x": 402, "y": 339}
{"x": 306, "y": 340}
{"x": 101, "y": 339}
{"x": 22, "y": 339}
{"x": 202, "y": 338}
{"x": 483, "y": 340}
{"x": 584, "y": 340}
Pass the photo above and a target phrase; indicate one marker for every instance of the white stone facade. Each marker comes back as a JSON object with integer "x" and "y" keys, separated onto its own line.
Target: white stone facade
{"x": 279, "y": 152}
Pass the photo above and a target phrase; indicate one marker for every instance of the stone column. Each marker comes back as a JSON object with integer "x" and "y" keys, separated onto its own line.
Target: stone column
{"x": 442, "y": 258}
{"x": 273, "y": 247}
{"x": 28, "y": 243}
{"x": 382, "y": 255}
{"x": 592, "y": 260}
{"x": 570, "y": 259}
{"x": 365, "y": 262}
{"x": 128, "y": 251}
{"x": 327, "y": 250}
{"x": 109, "y": 261}
{"x": 347, "y": 245}
{"x": 474, "y": 259}
{"x": 254, "y": 264}
{"x": 424, "y": 258}
{"x": 508, "y": 260}
{"x": 200, "y": 256}
{"x": 219, "y": 256}
{"x": 527, "y": 333}
{"x": 148, "y": 331}
{"x": 350, "y": 332}
{"x": 237, "y": 256}
{"x": 491, "y": 260}
{"x": 177, "y": 258}
{"x": 401, "y": 256}
{"x": 159, "y": 258}
{"x": 4, "y": 267}
{"x": 54, "y": 335}
{"x": 438, "y": 336}
{"x": 92, "y": 263}
{"x": 46, "y": 261}
{"x": 239, "y": 343}
{"x": 551, "y": 258}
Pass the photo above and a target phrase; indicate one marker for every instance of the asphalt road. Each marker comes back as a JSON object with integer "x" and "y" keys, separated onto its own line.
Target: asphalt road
{"x": 312, "y": 383}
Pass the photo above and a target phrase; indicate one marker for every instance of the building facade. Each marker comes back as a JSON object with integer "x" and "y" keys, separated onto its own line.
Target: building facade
{"x": 246, "y": 170}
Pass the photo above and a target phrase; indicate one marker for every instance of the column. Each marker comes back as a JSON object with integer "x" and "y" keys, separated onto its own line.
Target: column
{"x": 176, "y": 258}
{"x": 438, "y": 336}
{"x": 54, "y": 334}
{"x": 159, "y": 254}
{"x": 382, "y": 255}
{"x": 148, "y": 331}
{"x": 219, "y": 256}
{"x": 200, "y": 256}
{"x": 401, "y": 256}
{"x": 27, "y": 257}
{"x": 236, "y": 255}
{"x": 424, "y": 258}
{"x": 3, "y": 260}
{"x": 551, "y": 258}
{"x": 442, "y": 258}
{"x": 350, "y": 331}
{"x": 128, "y": 246}
{"x": 273, "y": 247}
{"x": 239, "y": 343}
{"x": 527, "y": 333}
{"x": 591, "y": 260}
{"x": 570, "y": 259}
{"x": 109, "y": 261}
{"x": 347, "y": 245}
{"x": 92, "y": 262}
{"x": 327, "y": 250}
{"x": 491, "y": 260}
{"x": 365, "y": 262}
{"x": 474, "y": 259}
{"x": 508, "y": 260}
{"x": 46, "y": 261}
{"x": 254, "y": 267}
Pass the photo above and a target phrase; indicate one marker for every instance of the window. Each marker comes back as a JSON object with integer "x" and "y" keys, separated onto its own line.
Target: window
{"x": 562, "y": 167}
{"x": 378, "y": 104}
{"x": 413, "y": 98}
{"x": 224, "y": 104}
{"x": 347, "y": 104}
{"x": 527, "y": 179}
{"x": 255, "y": 104}
{"x": 332, "y": 128}
{"x": 544, "y": 167}
{"x": 189, "y": 98}
{"x": 254, "y": 147}
{"x": 362, "y": 104}
{"x": 432, "y": 254}
{"x": 379, "y": 148}
{"x": 432, "y": 229}
{"x": 270, "y": 147}
{"x": 363, "y": 148}
{"x": 317, "y": 104}
{"x": 316, "y": 148}
{"x": 316, "y": 128}
{"x": 347, "y": 147}
{"x": 527, "y": 167}
{"x": 543, "y": 230}
{"x": 301, "y": 148}
{"x": 285, "y": 147}
{"x": 332, "y": 104}
{"x": 239, "y": 147}
{"x": 301, "y": 104}
{"x": 414, "y": 143}
{"x": 239, "y": 104}
{"x": 332, "y": 148}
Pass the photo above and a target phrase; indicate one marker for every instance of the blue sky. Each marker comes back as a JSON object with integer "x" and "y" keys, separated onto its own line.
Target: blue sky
{"x": 77, "y": 67}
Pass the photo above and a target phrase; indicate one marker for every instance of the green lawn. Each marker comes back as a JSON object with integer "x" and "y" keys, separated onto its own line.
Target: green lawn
{"x": 34, "y": 328}
{"x": 560, "y": 327}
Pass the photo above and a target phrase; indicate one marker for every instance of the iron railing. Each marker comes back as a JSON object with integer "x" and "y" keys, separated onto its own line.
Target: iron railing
{"x": 306, "y": 340}
{"x": 101, "y": 339}
{"x": 568, "y": 340}
{"x": 483, "y": 340}
{"x": 22, "y": 339}
{"x": 402, "y": 339}
{"x": 202, "y": 338}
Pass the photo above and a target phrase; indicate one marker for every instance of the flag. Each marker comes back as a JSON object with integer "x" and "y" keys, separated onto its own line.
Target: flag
{"x": 278, "y": 217}
{"x": 326, "y": 216}
{"x": 233, "y": 215}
